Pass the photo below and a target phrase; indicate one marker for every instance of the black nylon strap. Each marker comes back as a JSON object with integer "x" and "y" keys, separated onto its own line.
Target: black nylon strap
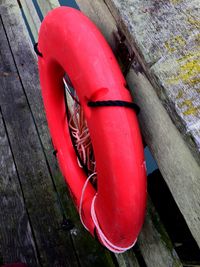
{"x": 37, "y": 51}
{"x": 114, "y": 103}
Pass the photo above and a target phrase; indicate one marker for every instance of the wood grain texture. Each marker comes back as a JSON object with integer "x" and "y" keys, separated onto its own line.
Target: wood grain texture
{"x": 88, "y": 251}
{"x": 47, "y": 5}
{"x": 127, "y": 259}
{"x": 55, "y": 246}
{"x": 176, "y": 163}
{"x": 32, "y": 17}
{"x": 154, "y": 242}
{"x": 98, "y": 12}
{"x": 165, "y": 35}
{"x": 16, "y": 239}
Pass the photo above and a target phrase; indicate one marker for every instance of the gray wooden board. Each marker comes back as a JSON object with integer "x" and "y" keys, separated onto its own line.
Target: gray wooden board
{"x": 154, "y": 242}
{"x": 180, "y": 170}
{"x": 89, "y": 252}
{"x": 54, "y": 245}
{"x": 31, "y": 16}
{"x": 16, "y": 239}
{"x": 100, "y": 15}
{"x": 127, "y": 259}
{"x": 165, "y": 35}
{"x": 47, "y": 5}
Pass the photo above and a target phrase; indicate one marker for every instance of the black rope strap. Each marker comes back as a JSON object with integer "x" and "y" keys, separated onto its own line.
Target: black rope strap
{"x": 37, "y": 51}
{"x": 114, "y": 103}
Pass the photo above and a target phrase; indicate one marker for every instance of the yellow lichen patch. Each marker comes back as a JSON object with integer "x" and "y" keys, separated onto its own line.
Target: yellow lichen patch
{"x": 197, "y": 38}
{"x": 174, "y": 2}
{"x": 180, "y": 94}
{"x": 195, "y": 81}
{"x": 190, "y": 108}
{"x": 192, "y": 111}
{"x": 194, "y": 22}
{"x": 189, "y": 69}
{"x": 175, "y": 43}
{"x": 190, "y": 56}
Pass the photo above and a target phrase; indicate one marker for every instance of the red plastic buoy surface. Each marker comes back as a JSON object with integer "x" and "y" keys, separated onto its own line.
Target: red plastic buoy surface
{"x": 70, "y": 43}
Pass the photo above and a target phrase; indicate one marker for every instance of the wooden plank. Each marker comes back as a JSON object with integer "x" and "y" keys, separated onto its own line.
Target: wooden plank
{"x": 88, "y": 250}
{"x": 165, "y": 35}
{"x": 175, "y": 161}
{"x": 98, "y": 12}
{"x": 54, "y": 246}
{"x": 127, "y": 259}
{"x": 13, "y": 214}
{"x": 31, "y": 16}
{"x": 47, "y": 5}
{"x": 154, "y": 242}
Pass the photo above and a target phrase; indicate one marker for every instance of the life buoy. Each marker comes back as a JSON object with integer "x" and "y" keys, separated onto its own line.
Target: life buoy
{"x": 70, "y": 43}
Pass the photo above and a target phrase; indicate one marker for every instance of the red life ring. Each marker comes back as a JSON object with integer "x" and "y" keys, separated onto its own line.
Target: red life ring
{"x": 70, "y": 43}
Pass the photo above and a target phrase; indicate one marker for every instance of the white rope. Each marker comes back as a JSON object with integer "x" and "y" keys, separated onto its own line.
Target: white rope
{"x": 81, "y": 200}
{"x": 104, "y": 239}
{"x": 108, "y": 244}
{"x": 81, "y": 134}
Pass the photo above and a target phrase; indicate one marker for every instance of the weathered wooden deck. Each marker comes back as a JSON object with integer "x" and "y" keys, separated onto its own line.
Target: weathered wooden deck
{"x": 31, "y": 212}
{"x": 34, "y": 201}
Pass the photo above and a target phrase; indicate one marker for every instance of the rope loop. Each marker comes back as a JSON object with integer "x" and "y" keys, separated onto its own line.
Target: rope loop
{"x": 108, "y": 244}
{"x": 114, "y": 103}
